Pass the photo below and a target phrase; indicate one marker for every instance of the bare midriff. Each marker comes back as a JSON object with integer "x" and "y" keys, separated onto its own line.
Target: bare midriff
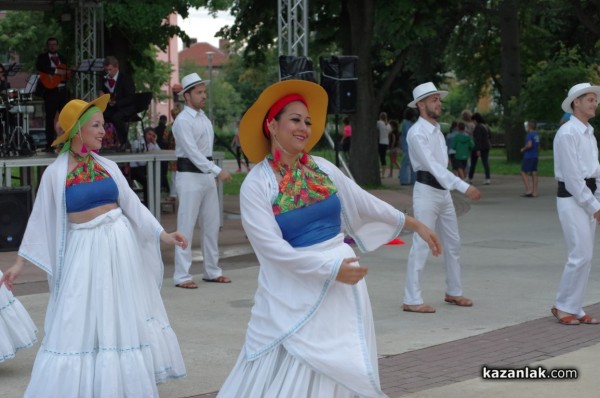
{"x": 81, "y": 217}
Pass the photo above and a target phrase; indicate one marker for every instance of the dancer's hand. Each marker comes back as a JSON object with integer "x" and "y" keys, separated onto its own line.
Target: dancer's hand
{"x": 473, "y": 193}
{"x": 11, "y": 274}
{"x": 431, "y": 238}
{"x": 351, "y": 274}
{"x": 174, "y": 238}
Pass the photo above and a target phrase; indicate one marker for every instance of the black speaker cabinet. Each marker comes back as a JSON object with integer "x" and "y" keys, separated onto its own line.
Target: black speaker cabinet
{"x": 339, "y": 79}
{"x": 15, "y": 207}
{"x": 299, "y": 68}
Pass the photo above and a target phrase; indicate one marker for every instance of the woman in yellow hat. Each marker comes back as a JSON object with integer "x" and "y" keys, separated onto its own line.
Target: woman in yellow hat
{"x": 311, "y": 331}
{"x": 106, "y": 329}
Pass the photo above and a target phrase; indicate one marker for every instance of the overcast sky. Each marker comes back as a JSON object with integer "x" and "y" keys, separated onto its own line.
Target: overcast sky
{"x": 200, "y": 25}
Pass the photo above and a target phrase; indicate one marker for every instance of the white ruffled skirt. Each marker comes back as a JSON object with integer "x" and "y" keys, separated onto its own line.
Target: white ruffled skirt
{"x": 333, "y": 355}
{"x": 107, "y": 331}
{"x": 278, "y": 374}
{"x": 17, "y": 330}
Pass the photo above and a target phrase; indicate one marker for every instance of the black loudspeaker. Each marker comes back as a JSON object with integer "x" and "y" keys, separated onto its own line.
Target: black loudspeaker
{"x": 299, "y": 68}
{"x": 15, "y": 207}
{"x": 339, "y": 79}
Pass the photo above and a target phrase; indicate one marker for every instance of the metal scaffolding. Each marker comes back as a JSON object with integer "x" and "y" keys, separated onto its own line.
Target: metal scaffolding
{"x": 292, "y": 27}
{"x": 88, "y": 44}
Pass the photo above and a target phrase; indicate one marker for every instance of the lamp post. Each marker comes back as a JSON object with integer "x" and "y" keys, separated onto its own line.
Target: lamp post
{"x": 210, "y": 54}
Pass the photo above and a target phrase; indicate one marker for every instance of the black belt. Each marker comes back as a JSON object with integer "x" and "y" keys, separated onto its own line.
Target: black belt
{"x": 425, "y": 177}
{"x": 184, "y": 164}
{"x": 563, "y": 193}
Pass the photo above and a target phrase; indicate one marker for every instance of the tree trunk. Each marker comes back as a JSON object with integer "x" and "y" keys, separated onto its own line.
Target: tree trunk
{"x": 364, "y": 163}
{"x": 511, "y": 77}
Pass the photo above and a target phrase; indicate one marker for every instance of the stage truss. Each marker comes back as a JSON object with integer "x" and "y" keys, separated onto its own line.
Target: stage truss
{"x": 89, "y": 39}
{"x": 292, "y": 27}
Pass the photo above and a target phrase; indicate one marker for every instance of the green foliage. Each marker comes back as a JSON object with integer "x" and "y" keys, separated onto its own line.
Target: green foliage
{"x": 152, "y": 77}
{"x": 548, "y": 85}
{"x": 459, "y": 98}
{"x": 190, "y": 66}
{"x": 227, "y": 103}
{"x": 250, "y": 80}
{"x": 24, "y": 33}
{"x": 142, "y": 22}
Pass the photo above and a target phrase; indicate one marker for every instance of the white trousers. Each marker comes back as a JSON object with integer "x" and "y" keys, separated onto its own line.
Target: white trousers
{"x": 198, "y": 203}
{"x": 434, "y": 208}
{"x": 579, "y": 229}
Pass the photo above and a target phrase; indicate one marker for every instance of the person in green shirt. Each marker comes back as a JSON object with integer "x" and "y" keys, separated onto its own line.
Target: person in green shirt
{"x": 462, "y": 144}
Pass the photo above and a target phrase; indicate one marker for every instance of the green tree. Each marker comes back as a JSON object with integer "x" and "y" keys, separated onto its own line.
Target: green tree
{"x": 249, "y": 80}
{"x": 24, "y": 34}
{"x": 548, "y": 85}
{"x": 362, "y": 28}
{"x": 132, "y": 25}
{"x": 227, "y": 104}
{"x": 151, "y": 77}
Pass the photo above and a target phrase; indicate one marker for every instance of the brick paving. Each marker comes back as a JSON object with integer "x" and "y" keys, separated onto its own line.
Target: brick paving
{"x": 460, "y": 360}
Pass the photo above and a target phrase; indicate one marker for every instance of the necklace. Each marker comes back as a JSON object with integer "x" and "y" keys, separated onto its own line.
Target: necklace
{"x": 86, "y": 167}
{"x": 299, "y": 187}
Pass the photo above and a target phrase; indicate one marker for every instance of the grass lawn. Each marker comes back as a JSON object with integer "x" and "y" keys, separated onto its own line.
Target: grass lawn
{"x": 499, "y": 165}
{"x": 233, "y": 187}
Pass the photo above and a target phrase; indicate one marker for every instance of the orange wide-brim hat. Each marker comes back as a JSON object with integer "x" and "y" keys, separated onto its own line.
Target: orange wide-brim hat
{"x": 71, "y": 113}
{"x": 254, "y": 143}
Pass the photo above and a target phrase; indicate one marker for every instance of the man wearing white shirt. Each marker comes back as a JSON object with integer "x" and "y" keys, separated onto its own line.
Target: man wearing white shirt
{"x": 577, "y": 171}
{"x": 432, "y": 203}
{"x": 196, "y": 188}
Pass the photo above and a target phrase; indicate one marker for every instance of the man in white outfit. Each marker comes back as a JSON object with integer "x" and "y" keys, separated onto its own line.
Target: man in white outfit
{"x": 432, "y": 202}
{"x": 577, "y": 171}
{"x": 196, "y": 188}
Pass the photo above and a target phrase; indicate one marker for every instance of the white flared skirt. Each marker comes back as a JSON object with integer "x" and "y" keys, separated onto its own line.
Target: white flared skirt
{"x": 107, "y": 333}
{"x": 333, "y": 355}
{"x": 279, "y": 374}
{"x": 17, "y": 330}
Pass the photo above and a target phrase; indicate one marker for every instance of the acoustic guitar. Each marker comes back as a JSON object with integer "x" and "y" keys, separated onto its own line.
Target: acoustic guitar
{"x": 51, "y": 81}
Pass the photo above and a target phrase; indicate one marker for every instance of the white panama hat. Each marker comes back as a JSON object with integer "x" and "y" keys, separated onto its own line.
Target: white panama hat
{"x": 577, "y": 91}
{"x": 191, "y": 80}
{"x": 423, "y": 91}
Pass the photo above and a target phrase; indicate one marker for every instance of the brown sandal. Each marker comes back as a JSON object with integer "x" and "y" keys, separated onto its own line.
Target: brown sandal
{"x": 418, "y": 308}
{"x": 588, "y": 320}
{"x": 570, "y": 320}
{"x": 461, "y": 301}
{"x": 220, "y": 279}
{"x": 187, "y": 285}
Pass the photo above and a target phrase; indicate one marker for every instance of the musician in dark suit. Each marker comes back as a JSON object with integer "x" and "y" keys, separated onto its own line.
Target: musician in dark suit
{"x": 51, "y": 64}
{"x": 121, "y": 88}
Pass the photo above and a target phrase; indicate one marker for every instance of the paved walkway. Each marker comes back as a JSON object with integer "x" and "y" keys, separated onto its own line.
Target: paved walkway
{"x": 512, "y": 255}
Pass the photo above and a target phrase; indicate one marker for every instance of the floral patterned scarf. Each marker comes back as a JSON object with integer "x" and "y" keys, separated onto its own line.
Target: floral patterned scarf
{"x": 87, "y": 170}
{"x": 300, "y": 187}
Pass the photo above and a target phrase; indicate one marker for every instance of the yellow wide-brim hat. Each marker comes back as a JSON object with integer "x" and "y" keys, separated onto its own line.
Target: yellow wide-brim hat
{"x": 254, "y": 143}
{"x": 71, "y": 113}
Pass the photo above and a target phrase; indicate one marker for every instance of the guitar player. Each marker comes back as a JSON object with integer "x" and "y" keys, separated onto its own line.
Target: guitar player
{"x": 121, "y": 107}
{"x": 49, "y": 64}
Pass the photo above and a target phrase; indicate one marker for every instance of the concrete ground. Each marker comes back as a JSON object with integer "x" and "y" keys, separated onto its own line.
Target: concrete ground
{"x": 512, "y": 255}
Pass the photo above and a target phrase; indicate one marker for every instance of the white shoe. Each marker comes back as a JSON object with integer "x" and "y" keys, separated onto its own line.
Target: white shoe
{"x": 487, "y": 182}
